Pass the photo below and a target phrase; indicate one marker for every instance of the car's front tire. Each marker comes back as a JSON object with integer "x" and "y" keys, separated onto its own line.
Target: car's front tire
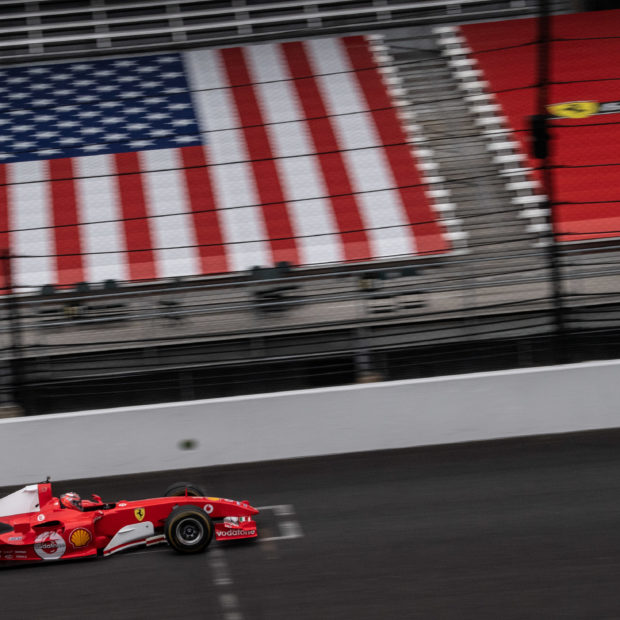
{"x": 188, "y": 529}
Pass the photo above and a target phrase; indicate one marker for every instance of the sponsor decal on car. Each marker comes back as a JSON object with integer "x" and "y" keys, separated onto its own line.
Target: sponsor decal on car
{"x": 15, "y": 538}
{"x": 41, "y": 517}
{"x": 238, "y": 532}
{"x": 139, "y": 513}
{"x": 80, "y": 537}
{"x": 208, "y": 508}
{"x": 49, "y": 546}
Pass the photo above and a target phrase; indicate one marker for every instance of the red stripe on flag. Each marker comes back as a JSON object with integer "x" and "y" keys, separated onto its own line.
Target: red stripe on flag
{"x": 68, "y": 247}
{"x": 4, "y": 225}
{"x": 138, "y": 241}
{"x": 275, "y": 212}
{"x": 429, "y": 237}
{"x": 333, "y": 168}
{"x": 205, "y": 217}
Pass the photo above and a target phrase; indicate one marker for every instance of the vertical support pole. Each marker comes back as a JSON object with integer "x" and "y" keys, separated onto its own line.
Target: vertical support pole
{"x": 543, "y": 150}
{"x": 15, "y": 348}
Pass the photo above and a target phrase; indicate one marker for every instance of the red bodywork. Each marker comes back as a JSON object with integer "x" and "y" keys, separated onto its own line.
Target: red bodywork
{"x": 52, "y": 532}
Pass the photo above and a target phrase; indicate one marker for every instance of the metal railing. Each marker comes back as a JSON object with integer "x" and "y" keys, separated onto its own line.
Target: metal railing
{"x": 40, "y": 30}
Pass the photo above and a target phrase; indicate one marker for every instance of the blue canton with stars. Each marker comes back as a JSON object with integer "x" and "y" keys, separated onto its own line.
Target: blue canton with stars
{"x": 95, "y": 107}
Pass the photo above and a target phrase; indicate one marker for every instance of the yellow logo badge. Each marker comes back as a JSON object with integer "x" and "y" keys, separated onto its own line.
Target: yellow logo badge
{"x": 574, "y": 109}
{"x": 139, "y": 513}
{"x": 80, "y": 537}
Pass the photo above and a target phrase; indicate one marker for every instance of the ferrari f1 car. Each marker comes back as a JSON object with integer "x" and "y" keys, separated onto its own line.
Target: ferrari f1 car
{"x": 36, "y": 526}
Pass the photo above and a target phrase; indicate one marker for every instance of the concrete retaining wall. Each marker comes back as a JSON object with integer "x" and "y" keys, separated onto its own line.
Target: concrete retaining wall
{"x": 308, "y": 423}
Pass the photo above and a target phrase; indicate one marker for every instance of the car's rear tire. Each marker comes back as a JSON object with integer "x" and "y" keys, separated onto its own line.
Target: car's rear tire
{"x": 178, "y": 489}
{"x": 188, "y": 529}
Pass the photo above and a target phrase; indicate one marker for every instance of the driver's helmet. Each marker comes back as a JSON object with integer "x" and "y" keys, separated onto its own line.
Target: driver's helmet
{"x": 71, "y": 500}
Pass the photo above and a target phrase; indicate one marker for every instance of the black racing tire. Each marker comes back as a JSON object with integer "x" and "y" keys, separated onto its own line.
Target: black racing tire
{"x": 188, "y": 529}
{"x": 178, "y": 490}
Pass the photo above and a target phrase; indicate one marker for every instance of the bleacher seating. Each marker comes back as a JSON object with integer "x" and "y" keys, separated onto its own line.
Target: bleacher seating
{"x": 207, "y": 161}
{"x": 586, "y": 53}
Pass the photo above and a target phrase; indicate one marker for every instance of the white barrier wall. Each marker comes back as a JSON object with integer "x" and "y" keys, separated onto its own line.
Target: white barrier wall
{"x": 311, "y": 422}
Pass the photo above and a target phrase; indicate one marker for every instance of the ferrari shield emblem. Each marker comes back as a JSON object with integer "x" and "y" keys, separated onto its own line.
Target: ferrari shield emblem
{"x": 574, "y": 109}
{"x": 139, "y": 513}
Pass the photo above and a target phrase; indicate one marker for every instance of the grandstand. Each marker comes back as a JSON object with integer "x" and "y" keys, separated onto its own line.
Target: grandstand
{"x": 301, "y": 196}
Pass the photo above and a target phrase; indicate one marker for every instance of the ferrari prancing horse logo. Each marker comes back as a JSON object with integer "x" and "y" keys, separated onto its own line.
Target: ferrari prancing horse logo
{"x": 139, "y": 513}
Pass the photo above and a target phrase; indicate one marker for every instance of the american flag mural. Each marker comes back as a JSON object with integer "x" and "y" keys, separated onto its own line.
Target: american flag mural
{"x": 207, "y": 161}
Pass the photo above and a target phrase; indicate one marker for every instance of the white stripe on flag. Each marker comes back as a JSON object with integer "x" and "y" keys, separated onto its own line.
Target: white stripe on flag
{"x": 166, "y": 194}
{"x": 300, "y": 176}
{"x": 368, "y": 168}
{"x": 233, "y": 184}
{"x": 97, "y": 200}
{"x": 30, "y": 207}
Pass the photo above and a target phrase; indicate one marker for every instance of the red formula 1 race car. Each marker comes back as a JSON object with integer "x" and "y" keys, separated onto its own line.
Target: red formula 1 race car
{"x": 35, "y": 526}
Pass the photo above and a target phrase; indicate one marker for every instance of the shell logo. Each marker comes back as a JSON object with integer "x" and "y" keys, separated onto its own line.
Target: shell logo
{"x": 80, "y": 537}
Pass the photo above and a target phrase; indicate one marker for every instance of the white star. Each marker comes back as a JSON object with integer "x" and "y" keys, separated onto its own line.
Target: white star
{"x": 137, "y": 144}
{"x": 16, "y": 80}
{"x": 24, "y": 145}
{"x": 124, "y": 63}
{"x": 18, "y": 96}
{"x": 69, "y": 140}
{"x": 109, "y": 104}
{"x": 5, "y": 155}
{"x": 166, "y": 59}
{"x": 91, "y": 130}
{"x": 5, "y": 138}
{"x": 67, "y": 124}
{"x": 182, "y": 122}
{"x": 146, "y": 69}
{"x": 19, "y": 112}
{"x": 185, "y": 139}
{"x": 179, "y": 106}
{"x": 130, "y": 94}
{"x": 38, "y": 86}
{"x": 171, "y": 91}
{"x": 84, "y": 82}
{"x": 85, "y": 98}
{"x": 107, "y": 88}
{"x": 23, "y": 127}
{"x": 103, "y": 73}
{"x": 150, "y": 84}
{"x": 82, "y": 67}
{"x": 67, "y": 108}
{"x": 134, "y": 110}
{"x": 115, "y": 136}
{"x": 111, "y": 120}
{"x": 46, "y": 134}
{"x": 154, "y": 100}
{"x": 65, "y": 91}
{"x": 44, "y": 118}
{"x": 4, "y": 105}
{"x": 156, "y": 116}
{"x": 172, "y": 74}
{"x": 95, "y": 147}
{"x": 4, "y": 121}
{"x": 159, "y": 133}
{"x": 135, "y": 126}
{"x": 127, "y": 78}
{"x": 38, "y": 70}
{"x": 60, "y": 76}
{"x": 42, "y": 101}
{"x": 48, "y": 152}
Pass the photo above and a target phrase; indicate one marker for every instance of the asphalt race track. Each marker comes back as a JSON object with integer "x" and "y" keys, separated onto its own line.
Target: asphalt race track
{"x": 511, "y": 529}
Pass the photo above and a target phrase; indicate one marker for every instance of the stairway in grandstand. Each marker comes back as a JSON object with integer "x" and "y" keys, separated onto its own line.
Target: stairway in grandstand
{"x": 438, "y": 107}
